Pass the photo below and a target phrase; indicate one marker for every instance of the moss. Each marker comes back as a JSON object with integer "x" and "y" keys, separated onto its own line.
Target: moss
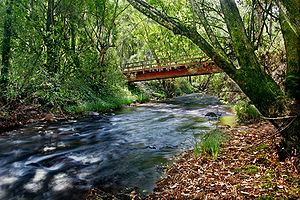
{"x": 262, "y": 147}
{"x": 267, "y": 197}
{"x": 229, "y": 120}
{"x": 251, "y": 169}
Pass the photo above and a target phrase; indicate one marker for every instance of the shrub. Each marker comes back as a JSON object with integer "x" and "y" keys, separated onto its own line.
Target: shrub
{"x": 246, "y": 111}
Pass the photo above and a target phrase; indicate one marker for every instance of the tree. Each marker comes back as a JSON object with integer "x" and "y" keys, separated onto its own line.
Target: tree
{"x": 6, "y": 45}
{"x": 248, "y": 72}
{"x": 289, "y": 21}
{"x": 100, "y": 25}
{"x": 290, "y": 9}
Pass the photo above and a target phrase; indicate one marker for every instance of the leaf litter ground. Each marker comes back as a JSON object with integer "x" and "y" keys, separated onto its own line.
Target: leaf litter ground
{"x": 246, "y": 168}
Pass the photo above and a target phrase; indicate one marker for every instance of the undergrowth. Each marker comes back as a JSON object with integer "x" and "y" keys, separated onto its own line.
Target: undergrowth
{"x": 102, "y": 104}
{"x": 246, "y": 111}
{"x": 210, "y": 143}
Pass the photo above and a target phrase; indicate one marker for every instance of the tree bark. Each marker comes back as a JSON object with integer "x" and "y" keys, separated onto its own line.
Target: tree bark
{"x": 292, "y": 48}
{"x": 6, "y": 45}
{"x": 292, "y": 86}
{"x": 253, "y": 80}
{"x": 291, "y": 11}
{"x": 75, "y": 57}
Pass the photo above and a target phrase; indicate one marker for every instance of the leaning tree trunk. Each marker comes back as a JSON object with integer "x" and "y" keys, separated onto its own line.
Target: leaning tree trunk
{"x": 262, "y": 90}
{"x": 291, "y": 12}
{"x": 288, "y": 126}
{"x": 6, "y": 46}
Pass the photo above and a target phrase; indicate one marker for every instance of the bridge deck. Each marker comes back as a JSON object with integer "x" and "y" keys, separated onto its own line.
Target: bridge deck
{"x": 187, "y": 65}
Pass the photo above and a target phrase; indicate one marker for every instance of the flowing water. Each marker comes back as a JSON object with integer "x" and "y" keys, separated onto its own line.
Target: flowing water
{"x": 126, "y": 149}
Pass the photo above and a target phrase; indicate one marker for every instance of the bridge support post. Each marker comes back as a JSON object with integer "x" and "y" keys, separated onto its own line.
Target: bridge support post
{"x": 158, "y": 63}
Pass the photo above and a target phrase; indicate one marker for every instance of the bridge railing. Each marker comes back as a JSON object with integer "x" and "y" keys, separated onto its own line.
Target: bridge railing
{"x": 164, "y": 63}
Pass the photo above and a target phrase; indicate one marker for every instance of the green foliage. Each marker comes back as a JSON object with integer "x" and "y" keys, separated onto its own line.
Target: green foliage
{"x": 104, "y": 98}
{"x": 170, "y": 87}
{"x": 101, "y": 104}
{"x": 209, "y": 143}
{"x": 79, "y": 80}
{"x": 84, "y": 74}
{"x": 217, "y": 85}
{"x": 246, "y": 111}
{"x": 142, "y": 98}
{"x": 140, "y": 95}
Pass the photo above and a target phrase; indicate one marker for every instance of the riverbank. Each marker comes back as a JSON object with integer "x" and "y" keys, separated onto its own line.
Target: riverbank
{"x": 18, "y": 115}
{"x": 247, "y": 167}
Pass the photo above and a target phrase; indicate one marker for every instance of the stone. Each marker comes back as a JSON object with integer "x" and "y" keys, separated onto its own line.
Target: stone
{"x": 50, "y": 117}
{"x": 90, "y": 113}
{"x": 211, "y": 114}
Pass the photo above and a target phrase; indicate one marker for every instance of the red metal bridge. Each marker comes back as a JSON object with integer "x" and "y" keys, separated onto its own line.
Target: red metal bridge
{"x": 186, "y": 65}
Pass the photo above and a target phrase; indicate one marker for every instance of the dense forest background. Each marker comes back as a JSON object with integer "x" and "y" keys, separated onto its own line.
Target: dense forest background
{"x": 65, "y": 55}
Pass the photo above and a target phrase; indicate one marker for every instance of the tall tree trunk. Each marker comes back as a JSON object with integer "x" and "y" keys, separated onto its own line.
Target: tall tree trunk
{"x": 292, "y": 84}
{"x": 292, "y": 48}
{"x": 49, "y": 40}
{"x": 75, "y": 57}
{"x": 6, "y": 45}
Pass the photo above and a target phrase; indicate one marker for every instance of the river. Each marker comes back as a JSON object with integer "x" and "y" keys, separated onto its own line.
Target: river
{"x": 125, "y": 149}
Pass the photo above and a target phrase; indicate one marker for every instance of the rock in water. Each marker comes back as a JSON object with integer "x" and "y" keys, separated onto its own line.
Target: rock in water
{"x": 151, "y": 147}
{"x": 50, "y": 117}
{"x": 90, "y": 113}
{"x": 211, "y": 114}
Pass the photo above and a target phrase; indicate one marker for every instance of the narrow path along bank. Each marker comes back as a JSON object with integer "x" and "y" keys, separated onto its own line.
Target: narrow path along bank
{"x": 247, "y": 167}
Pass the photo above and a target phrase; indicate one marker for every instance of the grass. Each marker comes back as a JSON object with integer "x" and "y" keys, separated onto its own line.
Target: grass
{"x": 142, "y": 98}
{"x": 210, "y": 143}
{"x": 101, "y": 104}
